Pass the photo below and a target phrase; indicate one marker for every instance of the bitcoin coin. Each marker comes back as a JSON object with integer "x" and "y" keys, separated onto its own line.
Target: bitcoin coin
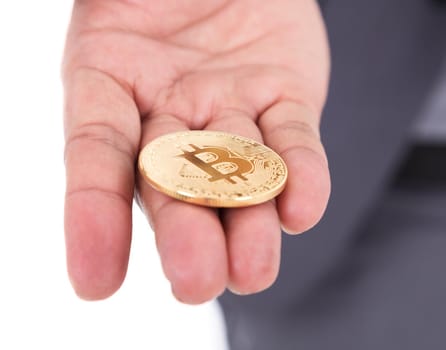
{"x": 214, "y": 169}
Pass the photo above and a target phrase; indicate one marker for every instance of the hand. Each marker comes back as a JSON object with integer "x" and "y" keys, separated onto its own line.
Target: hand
{"x": 135, "y": 70}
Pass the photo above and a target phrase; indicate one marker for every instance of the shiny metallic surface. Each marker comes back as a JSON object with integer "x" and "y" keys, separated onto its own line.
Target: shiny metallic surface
{"x": 214, "y": 169}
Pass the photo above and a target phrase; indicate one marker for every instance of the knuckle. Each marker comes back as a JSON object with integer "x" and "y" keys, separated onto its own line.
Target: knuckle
{"x": 103, "y": 134}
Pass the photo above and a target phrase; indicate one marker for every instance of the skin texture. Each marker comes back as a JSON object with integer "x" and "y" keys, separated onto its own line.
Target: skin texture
{"x": 134, "y": 70}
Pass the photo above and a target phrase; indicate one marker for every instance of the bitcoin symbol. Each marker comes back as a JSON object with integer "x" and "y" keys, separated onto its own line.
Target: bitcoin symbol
{"x": 218, "y": 163}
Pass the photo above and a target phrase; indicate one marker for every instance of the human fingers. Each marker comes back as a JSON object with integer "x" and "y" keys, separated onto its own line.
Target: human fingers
{"x": 253, "y": 233}
{"x": 190, "y": 238}
{"x": 292, "y": 130}
{"x": 102, "y": 131}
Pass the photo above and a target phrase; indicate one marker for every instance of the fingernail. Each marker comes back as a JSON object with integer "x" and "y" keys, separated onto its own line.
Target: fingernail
{"x": 235, "y": 291}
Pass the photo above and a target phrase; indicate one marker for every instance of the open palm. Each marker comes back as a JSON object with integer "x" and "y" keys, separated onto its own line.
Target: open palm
{"x": 135, "y": 70}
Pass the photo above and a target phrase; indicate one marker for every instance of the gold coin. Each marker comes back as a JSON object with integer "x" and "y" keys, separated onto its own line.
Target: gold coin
{"x": 214, "y": 169}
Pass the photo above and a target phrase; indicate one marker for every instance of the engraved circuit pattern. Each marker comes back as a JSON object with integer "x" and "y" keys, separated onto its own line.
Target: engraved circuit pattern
{"x": 213, "y": 168}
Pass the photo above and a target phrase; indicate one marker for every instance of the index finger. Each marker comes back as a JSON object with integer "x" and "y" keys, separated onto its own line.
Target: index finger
{"x": 292, "y": 130}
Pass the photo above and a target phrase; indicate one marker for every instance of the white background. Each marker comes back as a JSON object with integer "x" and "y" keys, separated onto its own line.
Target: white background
{"x": 38, "y": 309}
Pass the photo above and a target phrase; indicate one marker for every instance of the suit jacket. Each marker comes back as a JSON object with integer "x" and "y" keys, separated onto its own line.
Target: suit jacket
{"x": 386, "y": 56}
